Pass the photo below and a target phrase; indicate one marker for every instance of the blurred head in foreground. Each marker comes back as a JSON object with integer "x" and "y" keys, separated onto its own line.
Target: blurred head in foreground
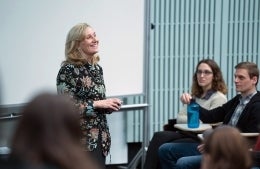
{"x": 226, "y": 148}
{"x": 48, "y": 134}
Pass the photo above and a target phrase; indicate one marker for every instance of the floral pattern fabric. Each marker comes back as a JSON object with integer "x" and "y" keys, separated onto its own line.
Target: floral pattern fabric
{"x": 85, "y": 84}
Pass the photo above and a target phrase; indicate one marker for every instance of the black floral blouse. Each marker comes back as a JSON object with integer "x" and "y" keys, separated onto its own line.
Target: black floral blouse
{"x": 86, "y": 84}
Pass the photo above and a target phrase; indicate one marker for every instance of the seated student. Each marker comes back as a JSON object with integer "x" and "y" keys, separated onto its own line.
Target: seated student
{"x": 226, "y": 148}
{"x": 242, "y": 112}
{"x": 208, "y": 89}
{"x": 48, "y": 136}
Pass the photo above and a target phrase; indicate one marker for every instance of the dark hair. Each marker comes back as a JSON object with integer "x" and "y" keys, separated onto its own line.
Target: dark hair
{"x": 227, "y": 149}
{"x": 218, "y": 83}
{"x": 251, "y": 68}
{"x": 49, "y": 133}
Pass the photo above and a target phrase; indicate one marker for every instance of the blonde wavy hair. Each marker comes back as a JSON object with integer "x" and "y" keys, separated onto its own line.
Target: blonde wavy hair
{"x": 72, "y": 52}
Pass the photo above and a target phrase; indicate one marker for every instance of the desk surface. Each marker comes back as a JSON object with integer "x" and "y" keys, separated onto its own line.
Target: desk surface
{"x": 250, "y": 134}
{"x": 200, "y": 129}
{"x": 243, "y": 134}
{"x": 133, "y": 106}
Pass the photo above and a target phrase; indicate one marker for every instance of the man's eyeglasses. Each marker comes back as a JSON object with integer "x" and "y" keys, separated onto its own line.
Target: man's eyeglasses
{"x": 206, "y": 72}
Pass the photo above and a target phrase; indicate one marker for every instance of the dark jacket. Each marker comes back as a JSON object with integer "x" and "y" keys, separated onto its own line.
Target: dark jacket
{"x": 86, "y": 84}
{"x": 249, "y": 120}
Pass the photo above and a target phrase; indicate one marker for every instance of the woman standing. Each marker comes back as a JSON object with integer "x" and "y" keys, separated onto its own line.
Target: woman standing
{"x": 81, "y": 77}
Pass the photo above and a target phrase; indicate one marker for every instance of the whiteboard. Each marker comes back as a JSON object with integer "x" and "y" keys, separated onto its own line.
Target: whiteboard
{"x": 33, "y": 35}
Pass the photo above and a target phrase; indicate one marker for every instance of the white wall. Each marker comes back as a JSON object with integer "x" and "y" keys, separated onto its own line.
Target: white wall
{"x": 33, "y": 36}
{"x": 32, "y": 40}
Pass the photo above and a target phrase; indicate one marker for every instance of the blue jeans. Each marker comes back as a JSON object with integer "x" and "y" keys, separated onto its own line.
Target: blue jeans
{"x": 179, "y": 156}
{"x": 189, "y": 162}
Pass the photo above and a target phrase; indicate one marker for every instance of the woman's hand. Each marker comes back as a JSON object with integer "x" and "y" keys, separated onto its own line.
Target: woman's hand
{"x": 185, "y": 98}
{"x": 113, "y": 104}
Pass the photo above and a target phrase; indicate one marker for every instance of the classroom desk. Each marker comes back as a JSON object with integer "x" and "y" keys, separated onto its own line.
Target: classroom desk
{"x": 202, "y": 127}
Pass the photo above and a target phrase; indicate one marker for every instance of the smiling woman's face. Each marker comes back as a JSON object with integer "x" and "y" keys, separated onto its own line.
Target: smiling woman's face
{"x": 89, "y": 44}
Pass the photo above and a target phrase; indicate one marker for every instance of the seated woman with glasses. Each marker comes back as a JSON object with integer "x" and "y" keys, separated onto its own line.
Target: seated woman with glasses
{"x": 208, "y": 89}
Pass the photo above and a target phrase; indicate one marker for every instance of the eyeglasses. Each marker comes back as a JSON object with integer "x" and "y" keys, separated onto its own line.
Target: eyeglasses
{"x": 206, "y": 72}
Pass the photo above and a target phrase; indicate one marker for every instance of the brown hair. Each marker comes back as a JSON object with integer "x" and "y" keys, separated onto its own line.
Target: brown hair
{"x": 218, "y": 83}
{"x": 251, "y": 68}
{"x": 49, "y": 133}
{"x": 227, "y": 149}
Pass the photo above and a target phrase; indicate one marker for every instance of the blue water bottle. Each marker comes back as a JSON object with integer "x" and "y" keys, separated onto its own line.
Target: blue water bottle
{"x": 193, "y": 114}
